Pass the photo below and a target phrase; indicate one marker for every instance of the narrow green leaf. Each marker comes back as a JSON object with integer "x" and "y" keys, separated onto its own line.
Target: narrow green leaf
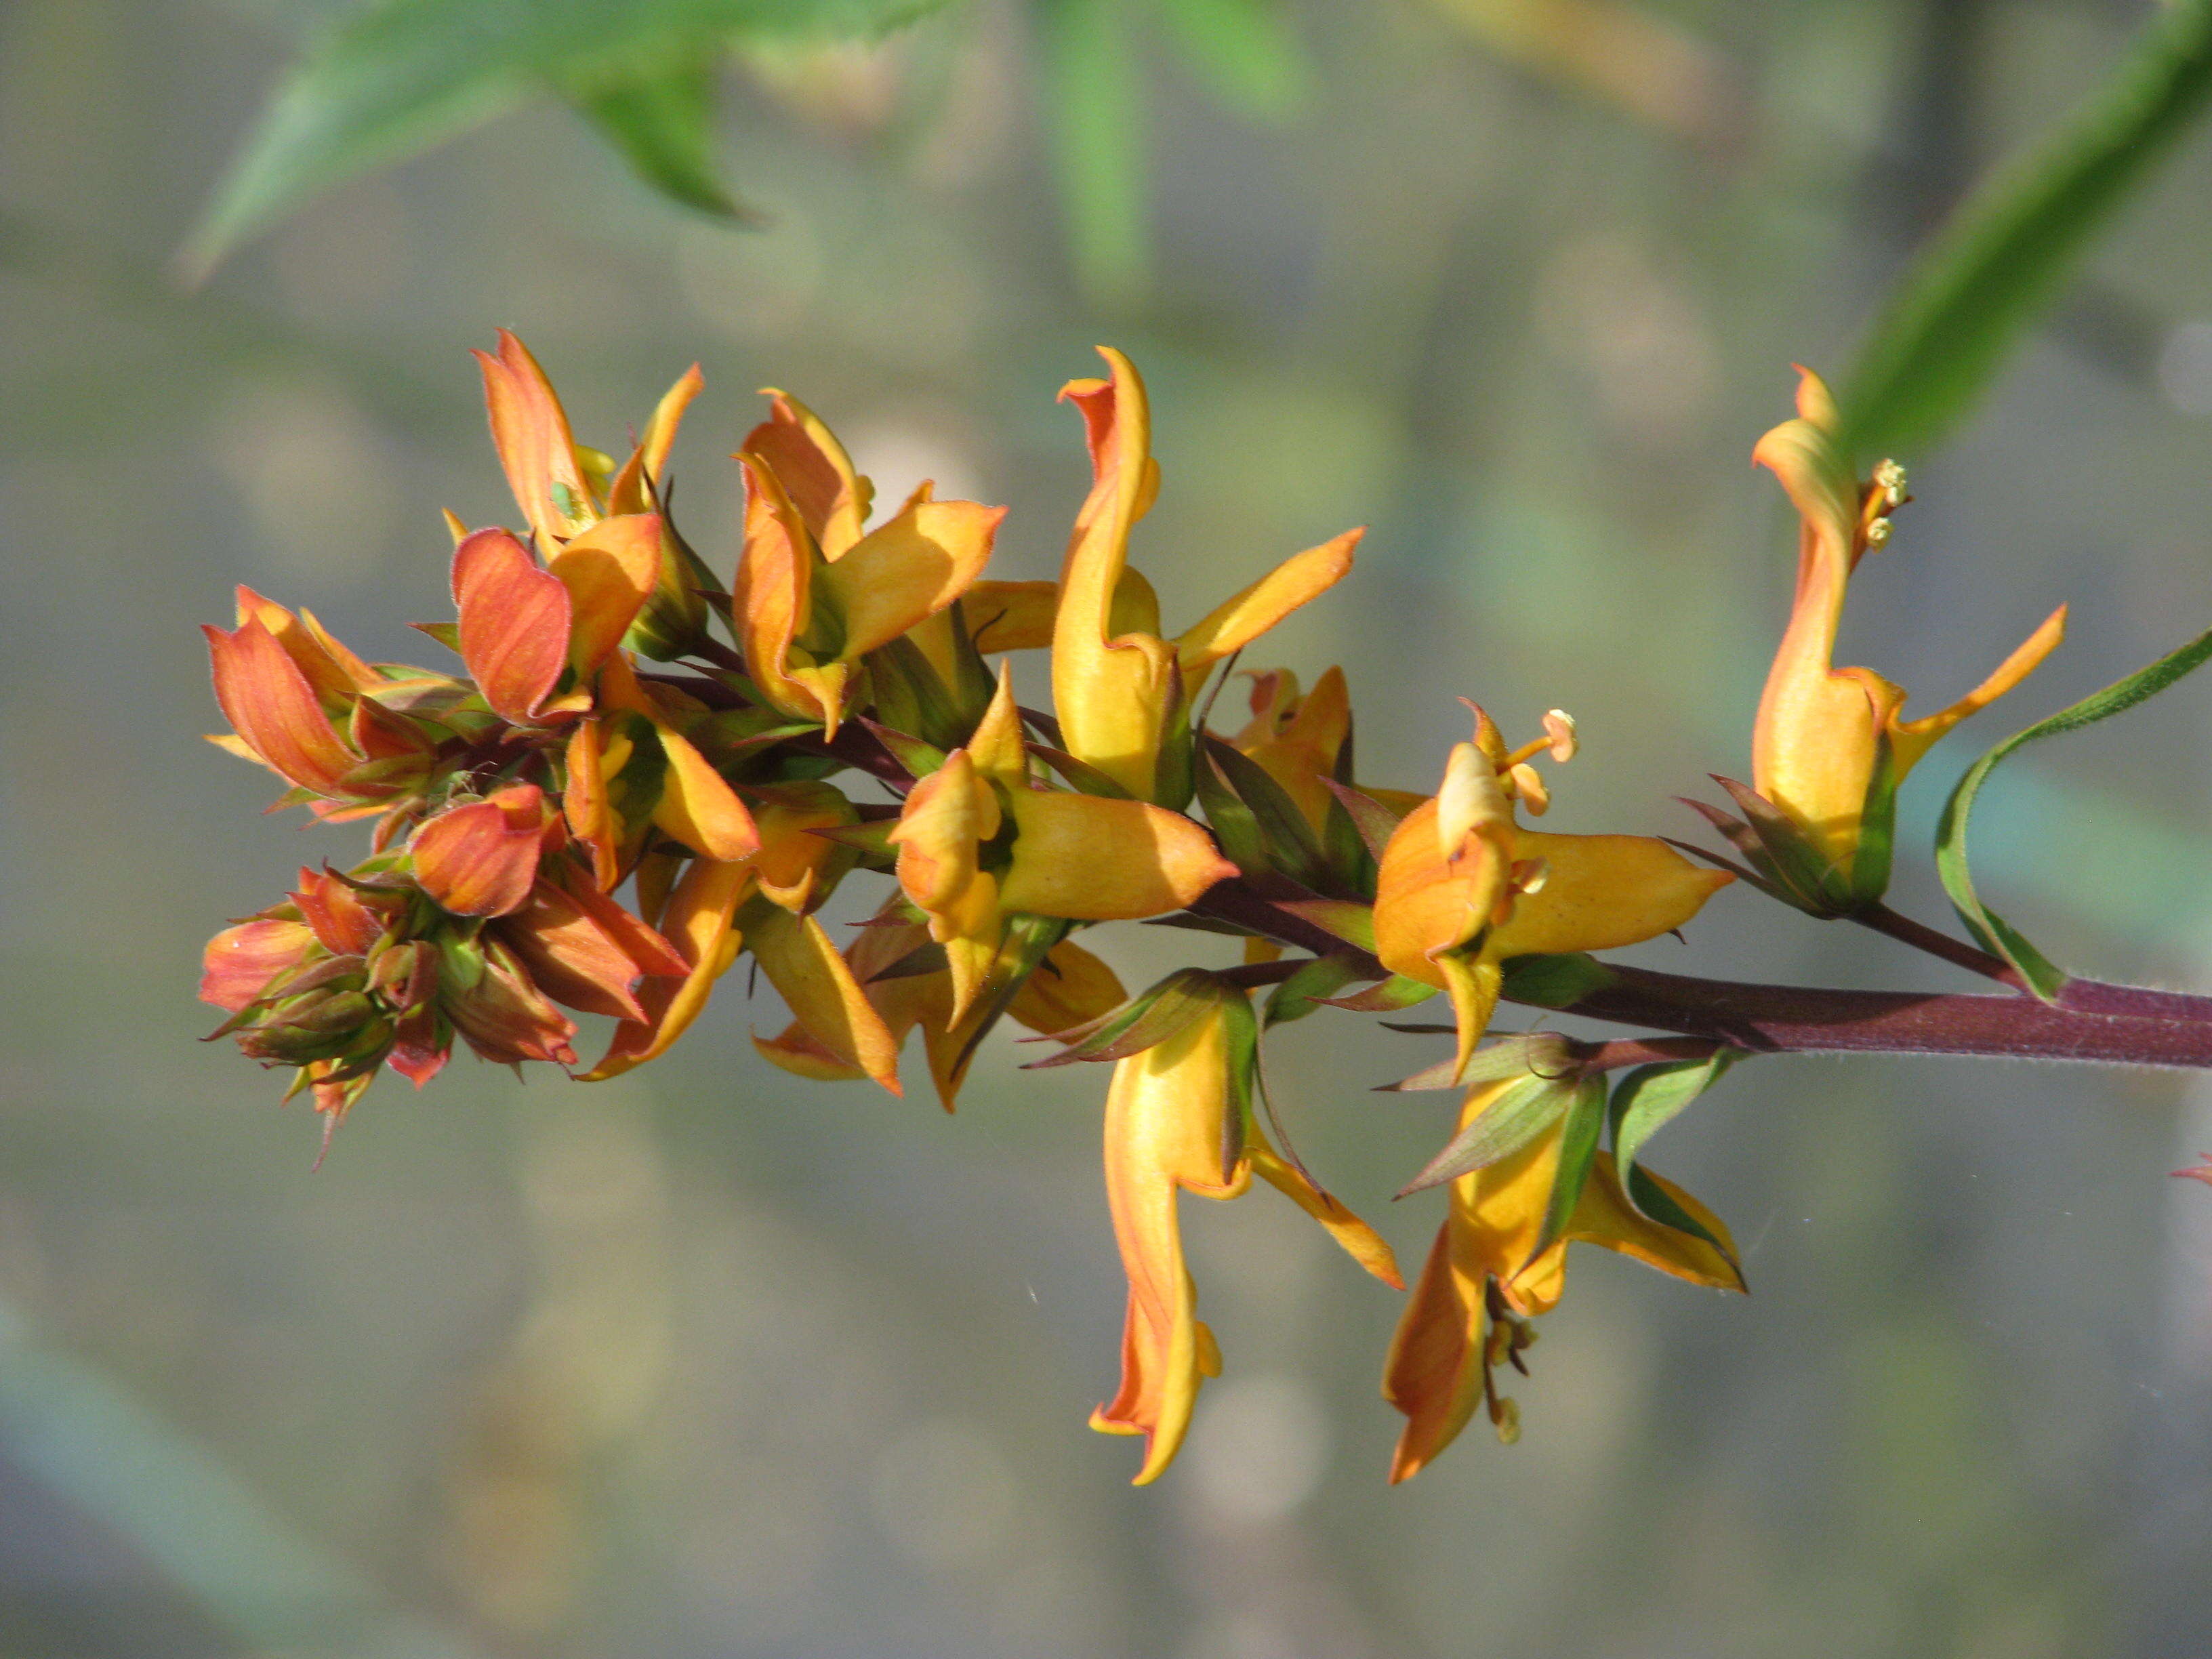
{"x": 1578, "y": 1140}
{"x": 1994, "y": 932}
{"x": 400, "y": 76}
{"x": 663, "y": 125}
{"x": 1387, "y": 998}
{"x": 1084, "y": 776}
{"x": 1509, "y": 1122}
{"x": 1951, "y": 322}
{"x": 1655, "y": 1204}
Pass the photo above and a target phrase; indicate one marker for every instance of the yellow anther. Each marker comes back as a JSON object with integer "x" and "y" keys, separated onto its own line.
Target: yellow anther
{"x": 1507, "y": 1415}
{"x": 1877, "y": 533}
{"x": 1560, "y": 727}
{"x": 1889, "y": 478}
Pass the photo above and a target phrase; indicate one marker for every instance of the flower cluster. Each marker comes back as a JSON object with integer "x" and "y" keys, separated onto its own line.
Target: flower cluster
{"x": 642, "y": 769}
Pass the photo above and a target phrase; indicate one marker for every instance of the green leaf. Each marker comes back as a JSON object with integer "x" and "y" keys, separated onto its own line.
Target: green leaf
{"x": 1959, "y": 309}
{"x": 1651, "y": 1096}
{"x": 403, "y": 75}
{"x": 1234, "y": 825}
{"x": 1992, "y": 931}
{"x": 1509, "y": 1122}
{"x": 1577, "y": 1154}
{"x": 663, "y": 125}
{"x": 1345, "y": 919}
{"x": 1553, "y": 981}
{"x": 1097, "y": 122}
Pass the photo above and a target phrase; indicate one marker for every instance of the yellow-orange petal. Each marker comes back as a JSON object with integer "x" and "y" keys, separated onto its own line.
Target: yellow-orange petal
{"x": 1012, "y": 616}
{"x": 909, "y": 568}
{"x": 1602, "y": 892}
{"x": 698, "y": 921}
{"x": 514, "y": 623}
{"x": 818, "y": 987}
{"x": 481, "y": 858}
{"x": 814, "y": 468}
{"x": 1089, "y": 859}
{"x": 609, "y": 571}
{"x": 273, "y": 708}
{"x": 1244, "y": 616}
{"x": 536, "y": 449}
{"x": 697, "y": 807}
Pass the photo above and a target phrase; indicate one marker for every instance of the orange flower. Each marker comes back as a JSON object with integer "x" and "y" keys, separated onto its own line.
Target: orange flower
{"x": 1178, "y": 1119}
{"x": 1464, "y": 887}
{"x": 1118, "y": 688}
{"x": 1485, "y": 1277}
{"x": 1832, "y": 744}
{"x": 816, "y": 592}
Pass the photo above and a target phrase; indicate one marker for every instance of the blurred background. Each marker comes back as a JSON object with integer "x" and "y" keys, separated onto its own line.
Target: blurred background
{"x": 707, "y": 1361}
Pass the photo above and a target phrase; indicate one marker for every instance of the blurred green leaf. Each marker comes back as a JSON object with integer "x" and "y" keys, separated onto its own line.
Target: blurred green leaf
{"x": 1957, "y": 312}
{"x": 1094, "y": 108}
{"x": 664, "y": 126}
{"x": 1245, "y": 51}
{"x": 1992, "y": 931}
{"x": 403, "y": 75}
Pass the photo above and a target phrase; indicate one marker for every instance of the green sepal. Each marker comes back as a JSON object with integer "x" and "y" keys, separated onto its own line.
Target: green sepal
{"x": 1553, "y": 981}
{"x": 1304, "y": 990}
{"x": 1579, "y": 1138}
{"x": 1150, "y": 1017}
{"x": 1870, "y": 859}
{"x": 1806, "y": 876}
{"x": 1650, "y": 1097}
{"x": 1241, "y": 1034}
{"x": 1233, "y": 822}
{"x": 1080, "y": 775}
{"x": 918, "y": 757}
{"x": 1993, "y": 932}
{"x": 1509, "y": 1122}
{"x": 1388, "y": 997}
{"x": 910, "y": 697}
{"x": 1541, "y": 1053}
{"x": 1290, "y": 846}
{"x": 1343, "y": 919}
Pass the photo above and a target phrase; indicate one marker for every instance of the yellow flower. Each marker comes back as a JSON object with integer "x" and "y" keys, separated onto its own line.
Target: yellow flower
{"x": 977, "y": 843}
{"x": 1832, "y": 744}
{"x": 1120, "y": 689}
{"x": 1177, "y": 1120}
{"x": 1464, "y": 887}
{"x": 1485, "y": 1278}
{"x": 816, "y": 591}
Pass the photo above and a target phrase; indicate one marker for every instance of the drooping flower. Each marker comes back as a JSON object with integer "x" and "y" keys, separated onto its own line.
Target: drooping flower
{"x": 1486, "y": 1277}
{"x": 1120, "y": 690}
{"x": 1178, "y": 1119}
{"x": 1464, "y": 887}
{"x": 1832, "y": 744}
